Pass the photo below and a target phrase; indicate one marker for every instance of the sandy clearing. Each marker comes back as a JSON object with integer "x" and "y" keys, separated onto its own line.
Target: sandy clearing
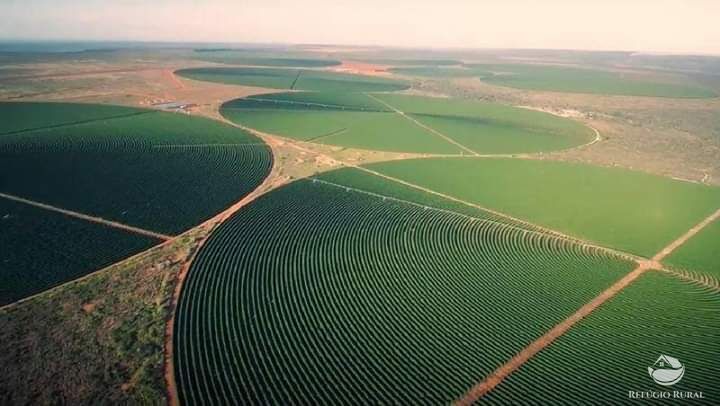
{"x": 361, "y": 68}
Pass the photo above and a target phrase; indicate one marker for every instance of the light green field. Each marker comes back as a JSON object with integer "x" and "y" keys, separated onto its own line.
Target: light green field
{"x": 359, "y": 121}
{"x": 372, "y": 131}
{"x": 623, "y": 209}
{"x": 296, "y": 79}
{"x": 607, "y": 354}
{"x": 489, "y": 128}
{"x": 701, "y": 253}
{"x": 570, "y": 79}
{"x": 577, "y": 80}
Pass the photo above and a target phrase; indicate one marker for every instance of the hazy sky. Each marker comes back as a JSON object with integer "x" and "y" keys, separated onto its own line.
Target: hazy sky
{"x": 643, "y": 25}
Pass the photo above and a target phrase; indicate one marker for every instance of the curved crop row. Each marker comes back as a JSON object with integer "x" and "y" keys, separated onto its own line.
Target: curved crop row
{"x": 607, "y": 355}
{"x": 318, "y": 295}
{"x": 161, "y": 172}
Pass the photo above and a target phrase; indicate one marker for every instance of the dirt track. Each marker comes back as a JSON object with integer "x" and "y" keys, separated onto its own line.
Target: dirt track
{"x": 92, "y": 219}
{"x": 494, "y": 379}
{"x": 271, "y": 181}
{"x": 423, "y": 126}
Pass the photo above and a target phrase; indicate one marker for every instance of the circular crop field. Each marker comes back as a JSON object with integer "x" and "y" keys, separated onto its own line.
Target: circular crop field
{"x": 320, "y": 294}
{"x": 160, "y": 173}
{"x": 399, "y": 123}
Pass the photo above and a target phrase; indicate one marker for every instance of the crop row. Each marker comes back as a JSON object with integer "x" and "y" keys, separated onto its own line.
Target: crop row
{"x": 167, "y": 190}
{"x": 315, "y": 294}
{"x": 41, "y": 249}
{"x": 607, "y": 355}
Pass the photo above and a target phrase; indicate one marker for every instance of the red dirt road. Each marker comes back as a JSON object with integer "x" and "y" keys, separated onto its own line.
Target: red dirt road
{"x": 92, "y": 219}
{"x": 494, "y": 379}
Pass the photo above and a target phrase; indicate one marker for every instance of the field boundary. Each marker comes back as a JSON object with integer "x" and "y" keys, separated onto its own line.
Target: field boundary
{"x": 496, "y": 377}
{"x": 294, "y": 143}
{"x": 547, "y": 230}
{"x": 91, "y": 219}
{"x": 168, "y": 347}
{"x": 81, "y": 122}
{"x": 332, "y": 106}
{"x": 423, "y": 126}
{"x": 530, "y": 230}
{"x": 292, "y": 86}
{"x": 167, "y": 146}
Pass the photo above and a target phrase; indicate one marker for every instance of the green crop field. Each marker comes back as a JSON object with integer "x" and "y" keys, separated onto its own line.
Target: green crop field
{"x": 579, "y": 80}
{"x": 163, "y": 172}
{"x": 296, "y": 79}
{"x": 315, "y": 294}
{"x": 607, "y": 355}
{"x": 18, "y": 117}
{"x": 701, "y": 253}
{"x": 570, "y": 79}
{"x": 490, "y": 128}
{"x": 360, "y": 121}
{"x": 623, "y": 209}
{"x": 41, "y": 249}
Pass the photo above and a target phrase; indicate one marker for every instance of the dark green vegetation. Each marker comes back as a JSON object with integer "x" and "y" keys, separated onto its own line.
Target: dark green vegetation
{"x": 623, "y": 209}
{"x": 18, "y": 117}
{"x": 317, "y": 295}
{"x": 296, "y": 79}
{"x": 701, "y": 253}
{"x": 572, "y": 79}
{"x": 159, "y": 171}
{"x": 607, "y": 354}
{"x": 41, "y": 249}
{"x": 360, "y": 121}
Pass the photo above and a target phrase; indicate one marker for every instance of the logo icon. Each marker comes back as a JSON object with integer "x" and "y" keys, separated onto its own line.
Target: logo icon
{"x": 667, "y": 370}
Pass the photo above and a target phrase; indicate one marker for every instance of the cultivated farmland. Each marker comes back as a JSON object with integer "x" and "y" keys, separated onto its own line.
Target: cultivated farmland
{"x": 294, "y": 79}
{"x": 572, "y": 79}
{"x": 159, "y": 172}
{"x": 619, "y": 208}
{"x": 316, "y": 294}
{"x": 607, "y": 355}
{"x": 42, "y": 249}
{"x": 700, "y": 253}
{"x": 430, "y": 125}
